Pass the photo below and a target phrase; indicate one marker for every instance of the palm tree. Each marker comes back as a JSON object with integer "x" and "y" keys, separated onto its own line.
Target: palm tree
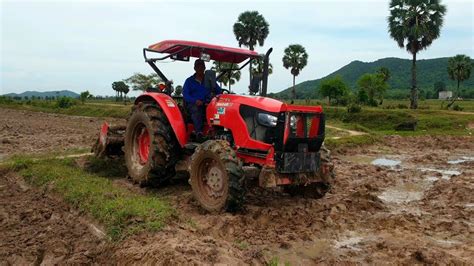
{"x": 414, "y": 24}
{"x": 258, "y": 67}
{"x": 257, "y": 70}
{"x": 115, "y": 87}
{"x": 125, "y": 90}
{"x": 295, "y": 58}
{"x": 459, "y": 68}
{"x": 221, "y": 67}
{"x": 120, "y": 87}
{"x": 251, "y": 28}
{"x": 384, "y": 73}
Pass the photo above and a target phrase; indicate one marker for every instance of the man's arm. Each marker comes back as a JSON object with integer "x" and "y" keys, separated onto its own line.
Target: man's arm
{"x": 218, "y": 89}
{"x": 187, "y": 87}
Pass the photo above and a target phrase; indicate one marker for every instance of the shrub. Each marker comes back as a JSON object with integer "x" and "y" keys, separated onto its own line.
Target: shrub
{"x": 354, "y": 108}
{"x": 65, "y": 102}
{"x": 372, "y": 102}
{"x": 389, "y": 106}
{"x": 402, "y": 106}
{"x": 6, "y": 100}
{"x": 409, "y": 125}
{"x": 457, "y": 107}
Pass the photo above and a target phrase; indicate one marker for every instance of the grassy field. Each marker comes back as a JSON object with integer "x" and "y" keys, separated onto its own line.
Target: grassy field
{"x": 91, "y": 189}
{"x": 94, "y": 109}
{"x": 431, "y": 104}
{"x": 430, "y": 118}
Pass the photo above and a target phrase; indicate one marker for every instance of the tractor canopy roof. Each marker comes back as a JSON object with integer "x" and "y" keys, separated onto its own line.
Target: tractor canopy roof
{"x": 186, "y": 49}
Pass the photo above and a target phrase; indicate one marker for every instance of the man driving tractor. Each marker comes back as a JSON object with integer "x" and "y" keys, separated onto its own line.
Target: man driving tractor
{"x": 251, "y": 137}
{"x": 196, "y": 96}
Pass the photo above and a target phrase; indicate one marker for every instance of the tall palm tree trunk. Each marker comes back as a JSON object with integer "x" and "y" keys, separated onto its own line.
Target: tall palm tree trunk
{"x": 293, "y": 90}
{"x": 250, "y": 69}
{"x": 250, "y": 74}
{"x": 458, "y": 92}
{"x": 414, "y": 90}
{"x": 454, "y": 97}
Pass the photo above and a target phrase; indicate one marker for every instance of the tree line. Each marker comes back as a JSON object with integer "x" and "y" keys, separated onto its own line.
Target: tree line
{"x": 414, "y": 25}
{"x": 371, "y": 87}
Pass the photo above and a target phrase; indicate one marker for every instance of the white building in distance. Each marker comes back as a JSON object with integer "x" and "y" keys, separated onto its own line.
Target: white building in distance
{"x": 444, "y": 95}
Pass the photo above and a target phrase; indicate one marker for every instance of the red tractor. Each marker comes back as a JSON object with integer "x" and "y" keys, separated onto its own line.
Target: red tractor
{"x": 248, "y": 137}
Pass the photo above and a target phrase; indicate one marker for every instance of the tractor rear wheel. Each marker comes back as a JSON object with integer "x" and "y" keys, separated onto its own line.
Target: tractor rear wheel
{"x": 150, "y": 147}
{"x": 318, "y": 189}
{"x": 217, "y": 177}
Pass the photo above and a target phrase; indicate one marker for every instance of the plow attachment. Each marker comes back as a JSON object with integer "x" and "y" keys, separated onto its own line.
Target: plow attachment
{"x": 110, "y": 141}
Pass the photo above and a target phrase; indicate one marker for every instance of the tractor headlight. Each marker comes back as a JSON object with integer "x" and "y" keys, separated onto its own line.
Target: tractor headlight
{"x": 293, "y": 122}
{"x": 267, "y": 120}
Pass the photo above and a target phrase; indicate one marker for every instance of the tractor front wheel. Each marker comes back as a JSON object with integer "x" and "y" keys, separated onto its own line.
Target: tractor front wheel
{"x": 217, "y": 177}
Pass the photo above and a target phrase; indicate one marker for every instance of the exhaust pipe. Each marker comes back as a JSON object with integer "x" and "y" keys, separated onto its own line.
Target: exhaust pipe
{"x": 266, "y": 60}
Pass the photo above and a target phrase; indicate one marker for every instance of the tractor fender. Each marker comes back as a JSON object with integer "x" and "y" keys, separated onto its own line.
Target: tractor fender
{"x": 172, "y": 112}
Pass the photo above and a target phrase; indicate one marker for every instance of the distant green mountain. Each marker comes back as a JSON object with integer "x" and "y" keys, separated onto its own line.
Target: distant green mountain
{"x": 429, "y": 71}
{"x": 29, "y": 94}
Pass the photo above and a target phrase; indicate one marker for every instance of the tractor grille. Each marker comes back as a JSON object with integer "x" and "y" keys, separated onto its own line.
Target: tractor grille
{"x": 300, "y": 136}
{"x": 297, "y": 162}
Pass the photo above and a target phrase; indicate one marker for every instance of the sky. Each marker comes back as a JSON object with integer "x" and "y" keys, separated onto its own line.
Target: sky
{"x": 87, "y": 45}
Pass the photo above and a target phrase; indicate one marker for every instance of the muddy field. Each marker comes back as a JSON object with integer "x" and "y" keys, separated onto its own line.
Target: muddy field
{"x": 406, "y": 200}
{"x": 32, "y": 132}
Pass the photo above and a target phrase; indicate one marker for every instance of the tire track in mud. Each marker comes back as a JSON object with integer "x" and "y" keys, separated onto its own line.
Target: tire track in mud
{"x": 37, "y": 228}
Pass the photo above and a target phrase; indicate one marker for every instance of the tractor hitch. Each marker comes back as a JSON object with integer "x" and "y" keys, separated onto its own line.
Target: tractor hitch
{"x": 110, "y": 141}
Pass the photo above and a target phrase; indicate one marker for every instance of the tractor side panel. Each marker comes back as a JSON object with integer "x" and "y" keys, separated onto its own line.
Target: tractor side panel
{"x": 222, "y": 111}
{"x": 172, "y": 112}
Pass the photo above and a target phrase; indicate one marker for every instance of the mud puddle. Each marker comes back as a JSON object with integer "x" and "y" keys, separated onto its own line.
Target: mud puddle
{"x": 386, "y": 162}
{"x": 445, "y": 174}
{"x": 360, "y": 159}
{"x": 462, "y": 159}
{"x": 350, "y": 241}
{"x": 318, "y": 250}
{"x": 404, "y": 193}
{"x": 413, "y": 190}
{"x": 304, "y": 253}
{"x": 377, "y": 160}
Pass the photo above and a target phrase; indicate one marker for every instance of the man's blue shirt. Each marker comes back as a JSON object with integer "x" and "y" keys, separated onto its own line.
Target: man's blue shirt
{"x": 193, "y": 90}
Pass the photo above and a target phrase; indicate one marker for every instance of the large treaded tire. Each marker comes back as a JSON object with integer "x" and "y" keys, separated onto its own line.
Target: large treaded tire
{"x": 163, "y": 146}
{"x": 318, "y": 189}
{"x": 218, "y": 156}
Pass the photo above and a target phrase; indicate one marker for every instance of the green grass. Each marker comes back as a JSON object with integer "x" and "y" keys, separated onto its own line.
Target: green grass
{"x": 241, "y": 244}
{"x": 330, "y": 132}
{"x": 87, "y": 109}
{"x": 351, "y": 142}
{"x": 121, "y": 211}
{"x": 431, "y": 119}
{"x": 431, "y": 104}
{"x": 384, "y": 121}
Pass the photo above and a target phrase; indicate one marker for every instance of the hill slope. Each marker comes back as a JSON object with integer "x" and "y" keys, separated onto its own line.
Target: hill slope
{"x": 429, "y": 71}
{"x": 29, "y": 94}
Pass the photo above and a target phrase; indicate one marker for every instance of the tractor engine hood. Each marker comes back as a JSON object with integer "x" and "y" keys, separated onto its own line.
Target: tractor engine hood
{"x": 264, "y": 103}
